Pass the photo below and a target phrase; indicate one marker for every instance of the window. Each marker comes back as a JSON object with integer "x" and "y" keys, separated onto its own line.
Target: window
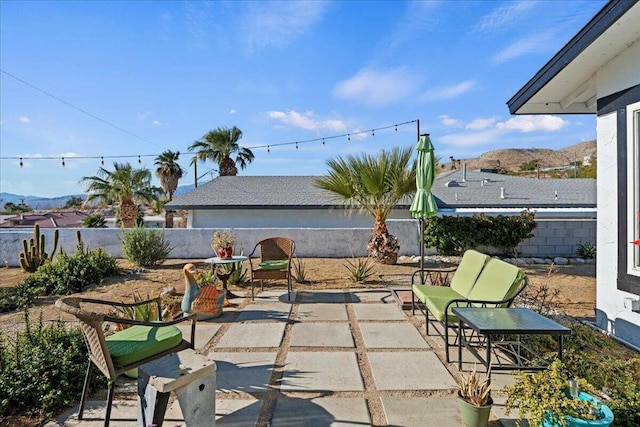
{"x": 633, "y": 188}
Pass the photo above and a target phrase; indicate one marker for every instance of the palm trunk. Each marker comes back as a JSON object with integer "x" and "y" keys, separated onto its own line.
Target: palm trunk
{"x": 128, "y": 213}
{"x": 382, "y": 246}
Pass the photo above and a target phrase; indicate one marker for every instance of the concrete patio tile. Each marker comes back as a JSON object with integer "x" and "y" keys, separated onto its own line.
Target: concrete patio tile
{"x": 325, "y": 296}
{"x": 272, "y": 296}
{"x": 419, "y": 370}
{"x": 124, "y": 413}
{"x": 321, "y": 412}
{"x": 243, "y": 372}
{"x": 321, "y": 311}
{"x": 237, "y": 413}
{"x": 321, "y": 371}
{"x": 378, "y": 312}
{"x": 321, "y": 335}
{"x": 264, "y": 311}
{"x": 371, "y": 296}
{"x": 392, "y": 335}
{"x": 421, "y": 411}
{"x": 204, "y": 332}
{"x": 252, "y": 335}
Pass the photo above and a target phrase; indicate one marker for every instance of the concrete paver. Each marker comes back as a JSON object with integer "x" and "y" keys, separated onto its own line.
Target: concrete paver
{"x": 378, "y": 312}
{"x": 243, "y": 372}
{"x": 409, "y": 370}
{"x": 322, "y": 312}
{"x": 415, "y": 411}
{"x": 322, "y": 335}
{"x": 326, "y": 296}
{"x": 204, "y": 332}
{"x": 321, "y": 371}
{"x": 392, "y": 335}
{"x": 321, "y": 412}
{"x": 371, "y": 295}
{"x": 252, "y": 335}
{"x": 261, "y": 310}
{"x": 237, "y": 412}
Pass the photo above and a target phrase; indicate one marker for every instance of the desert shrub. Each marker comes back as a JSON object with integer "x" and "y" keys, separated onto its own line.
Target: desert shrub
{"x": 42, "y": 369}
{"x": 586, "y": 250}
{"x": 145, "y": 246}
{"x": 68, "y": 274}
{"x": 299, "y": 271}
{"x": 453, "y": 235}
{"x": 360, "y": 269}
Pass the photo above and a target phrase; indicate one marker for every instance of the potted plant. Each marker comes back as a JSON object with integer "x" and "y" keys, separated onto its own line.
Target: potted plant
{"x": 223, "y": 242}
{"x": 550, "y": 398}
{"x": 475, "y": 402}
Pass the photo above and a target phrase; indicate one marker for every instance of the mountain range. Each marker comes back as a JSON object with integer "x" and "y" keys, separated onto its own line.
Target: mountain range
{"x": 509, "y": 159}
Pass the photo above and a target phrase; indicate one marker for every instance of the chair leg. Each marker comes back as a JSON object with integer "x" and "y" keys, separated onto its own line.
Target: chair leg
{"x": 252, "y": 291}
{"x": 446, "y": 337}
{"x": 107, "y": 416}
{"x": 413, "y": 303}
{"x": 85, "y": 389}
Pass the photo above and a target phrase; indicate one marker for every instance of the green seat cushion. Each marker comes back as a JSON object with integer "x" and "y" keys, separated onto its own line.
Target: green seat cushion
{"x": 437, "y": 305}
{"x": 139, "y": 342}
{"x": 424, "y": 292}
{"x": 495, "y": 282}
{"x": 274, "y": 265}
{"x": 468, "y": 271}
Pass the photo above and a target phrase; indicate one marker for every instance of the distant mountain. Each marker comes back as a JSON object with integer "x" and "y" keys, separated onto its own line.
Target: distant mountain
{"x": 35, "y": 202}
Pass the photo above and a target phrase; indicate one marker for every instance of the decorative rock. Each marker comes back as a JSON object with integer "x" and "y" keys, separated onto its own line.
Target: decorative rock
{"x": 547, "y": 261}
{"x": 519, "y": 262}
{"x": 168, "y": 291}
{"x": 560, "y": 260}
{"x": 540, "y": 261}
{"x": 577, "y": 261}
{"x": 590, "y": 261}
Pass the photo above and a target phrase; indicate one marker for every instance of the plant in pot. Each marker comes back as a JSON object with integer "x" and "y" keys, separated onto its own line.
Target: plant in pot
{"x": 551, "y": 398}
{"x": 223, "y": 242}
{"x": 475, "y": 402}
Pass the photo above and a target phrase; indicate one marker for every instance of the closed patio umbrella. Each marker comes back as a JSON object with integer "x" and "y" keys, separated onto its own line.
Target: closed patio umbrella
{"x": 424, "y": 204}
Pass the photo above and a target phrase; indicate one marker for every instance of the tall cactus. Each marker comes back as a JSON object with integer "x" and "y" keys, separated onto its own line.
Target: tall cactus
{"x": 33, "y": 254}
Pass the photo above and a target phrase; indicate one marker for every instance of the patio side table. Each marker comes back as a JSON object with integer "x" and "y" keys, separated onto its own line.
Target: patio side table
{"x": 217, "y": 261}
{"x": 505, "y": 321}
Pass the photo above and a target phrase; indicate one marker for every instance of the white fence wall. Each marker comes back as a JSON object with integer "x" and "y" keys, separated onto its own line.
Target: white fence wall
{"x": 552, "y": 238}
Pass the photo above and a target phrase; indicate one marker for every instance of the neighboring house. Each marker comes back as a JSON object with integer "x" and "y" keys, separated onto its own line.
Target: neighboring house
{"x": 598, "y": 72}
{"x": 45, "y": 220}
{"x": 269, "y": 202}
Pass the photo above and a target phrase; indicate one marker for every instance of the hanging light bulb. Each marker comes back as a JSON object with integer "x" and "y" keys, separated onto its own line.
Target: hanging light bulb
{"x": 102, "y": 160}
{"x": 373, "y": 132}
{"x": 139, "y": 161}
{"x": 396, "y": 128}
{"x": 296, "y": 145}
{"x": 21, "y": 164}
{"x": 63, "y": 165}
{"x": 268, "y": 151}
{"x": 323, "y": 141}
{"x": 348, "y": 137}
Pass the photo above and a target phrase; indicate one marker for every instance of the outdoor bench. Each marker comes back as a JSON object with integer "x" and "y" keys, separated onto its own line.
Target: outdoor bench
{"x": 479, "y": 281}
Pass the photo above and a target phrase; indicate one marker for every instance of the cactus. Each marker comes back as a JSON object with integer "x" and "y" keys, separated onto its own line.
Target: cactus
{"x": 33, "y": 254}
{"x": 80, "y": 245}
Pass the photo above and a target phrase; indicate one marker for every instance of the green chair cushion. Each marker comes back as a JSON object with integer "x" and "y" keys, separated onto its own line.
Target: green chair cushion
{"x": 274, "y": 265}
{"x": 424, "y": 292}
{"x": 467, "y": 273}
{"x": 495, "y": 282}
{"x": 139, "y": 342}
{"x": 437, "y": 305}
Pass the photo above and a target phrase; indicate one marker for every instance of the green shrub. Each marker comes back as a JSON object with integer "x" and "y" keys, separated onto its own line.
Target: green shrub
{"x": 453, "y": 235}
{"x": 360, "y": 269}
{"x": 42, "y": 369}
{"x": 68, "y": 274}
{"x": 299, "y": 271}
{"x": 586, "y": 250}
{"x": 145, "y": 246}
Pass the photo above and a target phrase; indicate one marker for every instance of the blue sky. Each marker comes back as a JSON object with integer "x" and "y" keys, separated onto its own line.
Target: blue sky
{"x": 162, "y": 74}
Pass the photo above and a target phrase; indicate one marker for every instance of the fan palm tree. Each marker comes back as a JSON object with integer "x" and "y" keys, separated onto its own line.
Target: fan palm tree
{"x": 169, "y": 172}
{"x": 374, "y": 185}
{"x": 218, "y": 146}
{"x": 125, "y": 185}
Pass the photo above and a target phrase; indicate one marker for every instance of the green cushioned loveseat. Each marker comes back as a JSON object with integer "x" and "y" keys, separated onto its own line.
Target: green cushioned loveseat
{"x": 479, "y": 281}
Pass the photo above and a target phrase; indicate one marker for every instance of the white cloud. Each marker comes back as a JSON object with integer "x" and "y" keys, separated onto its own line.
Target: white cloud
{"x": 470, "y": 139}
{"x": 504, "y": 16}
{"x": 479, "y": 124}
{"x": 448, "y": 121}
{"x": 232, "y": 111}
{"x": 156, "y": 123}
{"x": 450, "y": 91}
{"x": 277, "y": 23}
{"x": 374, "y": 87}
{"x": 538, "y": 43}
{"x": 306, "y": 120}
{"x": 527, "y": 124}
{"x": 24, "y": 119}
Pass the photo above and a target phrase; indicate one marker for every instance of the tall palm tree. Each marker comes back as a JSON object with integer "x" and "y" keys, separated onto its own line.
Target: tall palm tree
{"x": 125, "y": 185}
{"x": 374, "y": 185}
{"x": 169, "y": 172}
{"x": 218, "y": 146}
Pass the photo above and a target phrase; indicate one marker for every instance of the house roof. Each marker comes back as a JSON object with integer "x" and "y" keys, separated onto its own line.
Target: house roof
{"x": 567, "y": 83}
{"x": 46, "y": 220}
{"x": 483, "y": 190}
{"x": 298, "y": 192}
{"x": 231, "y": 192}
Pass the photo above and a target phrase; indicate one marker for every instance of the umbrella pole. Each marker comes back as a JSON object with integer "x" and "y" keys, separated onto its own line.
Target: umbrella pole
{"x": 421, "y": 251}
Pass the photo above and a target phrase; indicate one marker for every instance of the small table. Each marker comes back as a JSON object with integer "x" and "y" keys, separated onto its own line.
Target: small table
{"x": 217, "y": 261}
{"x": 191, "y": 376}
{"x": 505, "y": 321}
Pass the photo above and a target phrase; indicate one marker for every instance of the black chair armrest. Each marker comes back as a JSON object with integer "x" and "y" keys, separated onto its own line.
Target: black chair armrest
{"x": 430, "y": 271}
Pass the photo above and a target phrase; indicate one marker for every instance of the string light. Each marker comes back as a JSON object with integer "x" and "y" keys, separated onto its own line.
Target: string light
{"x": 268, "y": 150}
{"x": 21, "y": 164}
{"x": 139, "y": 161}
{"x": 323, "y": 143}
{"x": 396, "y": 128}
{"x": 296, "y": 145}
{"x": 373, "y": 132}
{"x": 102, "y": 161}
{"x": 348, "y": 137}
{"x": 63, "y": 162}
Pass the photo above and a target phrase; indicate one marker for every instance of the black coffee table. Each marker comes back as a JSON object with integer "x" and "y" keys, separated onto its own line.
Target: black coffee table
{"x": 489, "y": 322}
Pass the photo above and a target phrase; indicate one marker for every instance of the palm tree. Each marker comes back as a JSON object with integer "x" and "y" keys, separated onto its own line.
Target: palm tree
{"x": 374, "y": 185}
{"x": 169, "y": 172}
{"x": 218, "y": 146}
{"x": 125, "y": 185}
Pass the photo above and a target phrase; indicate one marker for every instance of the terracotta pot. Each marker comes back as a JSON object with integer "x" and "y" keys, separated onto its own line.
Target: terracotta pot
{"x": 225, "y": 253}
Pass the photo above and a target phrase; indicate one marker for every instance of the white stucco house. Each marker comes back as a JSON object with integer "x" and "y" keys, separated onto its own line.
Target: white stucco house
{"x": 598, "y": 72}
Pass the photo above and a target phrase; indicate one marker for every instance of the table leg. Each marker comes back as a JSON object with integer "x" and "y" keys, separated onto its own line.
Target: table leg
{"x": 488, "y": 354}
{"x": 460, "y": 335}
{"x": 560, "y": 345}
{"x": 224, "y": 277}
{"x": 152, "y": 405}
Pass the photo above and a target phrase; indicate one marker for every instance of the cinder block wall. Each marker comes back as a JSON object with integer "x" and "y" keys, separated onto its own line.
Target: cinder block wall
{"x": 551, "y": 238}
